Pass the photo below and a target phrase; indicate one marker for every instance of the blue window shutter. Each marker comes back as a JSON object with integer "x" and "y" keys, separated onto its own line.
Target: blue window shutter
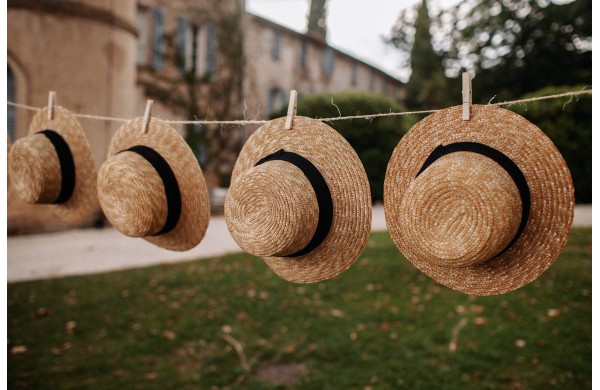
{"x": 142, "y": 23}
{"x": 211, "y": 52}
{"x": 276, "y": 49}
{"x": 303, "y": 49}
{"x": 328, "y": 62}
{"x": 158, "y": 39}
{"x": 182, "y": 28}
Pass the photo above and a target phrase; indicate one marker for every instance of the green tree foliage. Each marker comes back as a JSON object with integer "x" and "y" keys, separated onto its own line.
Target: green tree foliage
{"x": 427, "y": 87}
{"x": 569, "y": 125}
{"x": 373, "y": 140}
{"x": 526, "y": 44}
{"x": 513, "y": 46}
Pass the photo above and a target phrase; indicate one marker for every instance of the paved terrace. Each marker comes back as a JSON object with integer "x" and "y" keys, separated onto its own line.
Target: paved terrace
{"x": 89, "y": 251}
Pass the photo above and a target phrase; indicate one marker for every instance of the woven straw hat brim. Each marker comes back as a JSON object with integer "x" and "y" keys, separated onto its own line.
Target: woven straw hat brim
{"x": 547, "y": 175}
{"x": 195, "y": 204}
{"x": 347, "y": 181}
{"x": 84, "y": 201}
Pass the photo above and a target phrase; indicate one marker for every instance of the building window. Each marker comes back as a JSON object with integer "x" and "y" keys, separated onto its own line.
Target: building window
{"x": 212, "y": 46}
{"x": 384, "y": 87}
{"x": 276, "y": 49}
{"x": 372, "y": 81}
{"x": 10, "y": 110}
{"x": 303, "y": 50}
{"x": 159, "y": 44}
{"x": 328, "y": 62}
{"x": 185, "y": 45}
{"x": 141, "y": 22}
{"x": 275, "y": 100}
{"x": 353, "y": 75}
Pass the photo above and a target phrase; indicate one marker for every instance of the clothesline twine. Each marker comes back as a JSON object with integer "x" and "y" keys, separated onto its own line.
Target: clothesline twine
{"x": 243, "y": 122}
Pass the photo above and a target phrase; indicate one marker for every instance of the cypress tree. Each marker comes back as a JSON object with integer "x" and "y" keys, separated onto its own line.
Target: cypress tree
{"x": 427, "y": 86}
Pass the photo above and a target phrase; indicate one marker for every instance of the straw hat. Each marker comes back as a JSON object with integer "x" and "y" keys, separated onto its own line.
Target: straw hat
{"x": 482, "y": 206}
{"x": 300, "y": 199}
{"x": 151, "y": 186}
{"x": 53, "y": 165}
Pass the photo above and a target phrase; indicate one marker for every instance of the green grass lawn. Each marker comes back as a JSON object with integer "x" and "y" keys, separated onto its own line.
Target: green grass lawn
{"x": 230, "y": 322}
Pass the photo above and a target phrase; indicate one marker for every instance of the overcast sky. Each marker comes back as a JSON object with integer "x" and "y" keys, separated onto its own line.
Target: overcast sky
{"x": 353, "y": 26}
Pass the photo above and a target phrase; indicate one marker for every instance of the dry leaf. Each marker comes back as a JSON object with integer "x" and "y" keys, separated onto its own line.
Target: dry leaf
{"x": 70, "y": 327}
{"x": 18, "y": 349}
{"x": 480, "y": 321}
{"x": 43, "y": 312}
{"x": 169, "y": 334}
{"x": 226, "y": 329}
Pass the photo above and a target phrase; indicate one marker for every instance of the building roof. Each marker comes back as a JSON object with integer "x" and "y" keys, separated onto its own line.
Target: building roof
{"x": 319, "y": 41}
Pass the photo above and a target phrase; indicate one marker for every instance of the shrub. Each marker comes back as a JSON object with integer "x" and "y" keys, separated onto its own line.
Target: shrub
{"x": 569, "y": 125}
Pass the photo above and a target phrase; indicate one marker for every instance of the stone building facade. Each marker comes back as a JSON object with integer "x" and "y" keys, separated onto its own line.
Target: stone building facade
{"x": 197, "y": 59}
{"x": 304, "y": 62}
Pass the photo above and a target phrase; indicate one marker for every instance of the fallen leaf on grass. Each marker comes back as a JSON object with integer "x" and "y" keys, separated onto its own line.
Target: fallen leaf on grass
{"x": 477, "y": 309}
{"x": 43, "y": 312}
{"x": 70, "y": 327}
{"x": 263, "y": 295}
{"x": 151, "y": 375}
{"x": 169, "y": 334}
{"x": 290, "y": 348}
{"x": 520, "y": 343}
{"x": 553, "y": 313}
{"x": 226, "y": 329}
{"x": 480, "y": 321}
{"x": 18, "y": 349}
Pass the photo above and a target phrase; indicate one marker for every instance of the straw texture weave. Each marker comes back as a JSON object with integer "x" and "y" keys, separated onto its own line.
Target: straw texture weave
{"x": 455, "y": 217}
{"x": 34, "y": 166}
{"x": 271, "y": 209}
{"x": 132, "y": 193}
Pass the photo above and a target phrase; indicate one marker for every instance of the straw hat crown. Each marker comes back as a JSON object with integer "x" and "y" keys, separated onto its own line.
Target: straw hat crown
{"x": 151, "y": 186}
{"x": 54, "y": 165}
{"x": 300, "y": 199}
{"x": 461, "y": 211}
{"x": 278, "y": 219}
{"x": 483, "y": 206}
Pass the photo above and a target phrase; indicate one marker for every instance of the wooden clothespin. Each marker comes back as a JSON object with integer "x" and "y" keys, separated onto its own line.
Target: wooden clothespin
{"x": 467, "y": 96}
{"x": 291, "y": 112}
{"x": 147, "y": 115}
{"x": 51, "y": 104}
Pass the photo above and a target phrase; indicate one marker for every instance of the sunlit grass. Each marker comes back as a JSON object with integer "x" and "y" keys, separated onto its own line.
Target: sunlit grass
{"x": 230, "y": 322}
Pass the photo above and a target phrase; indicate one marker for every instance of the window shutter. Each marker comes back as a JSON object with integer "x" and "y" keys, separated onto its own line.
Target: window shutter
{"x": 182, "y": 38}
{"x": 211, "y": 52}
{"x": 158, "y": 41}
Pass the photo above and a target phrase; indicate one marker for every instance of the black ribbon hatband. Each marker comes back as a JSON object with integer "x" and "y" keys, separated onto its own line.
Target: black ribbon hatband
{"x": 67, "y": 165}
{"x": 505, "y": 162}
{"x": 322, "y": 192}
{"x": 169, "y": 182}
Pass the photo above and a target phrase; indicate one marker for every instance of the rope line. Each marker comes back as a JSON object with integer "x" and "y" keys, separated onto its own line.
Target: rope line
{"x": 243, "y": 122}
